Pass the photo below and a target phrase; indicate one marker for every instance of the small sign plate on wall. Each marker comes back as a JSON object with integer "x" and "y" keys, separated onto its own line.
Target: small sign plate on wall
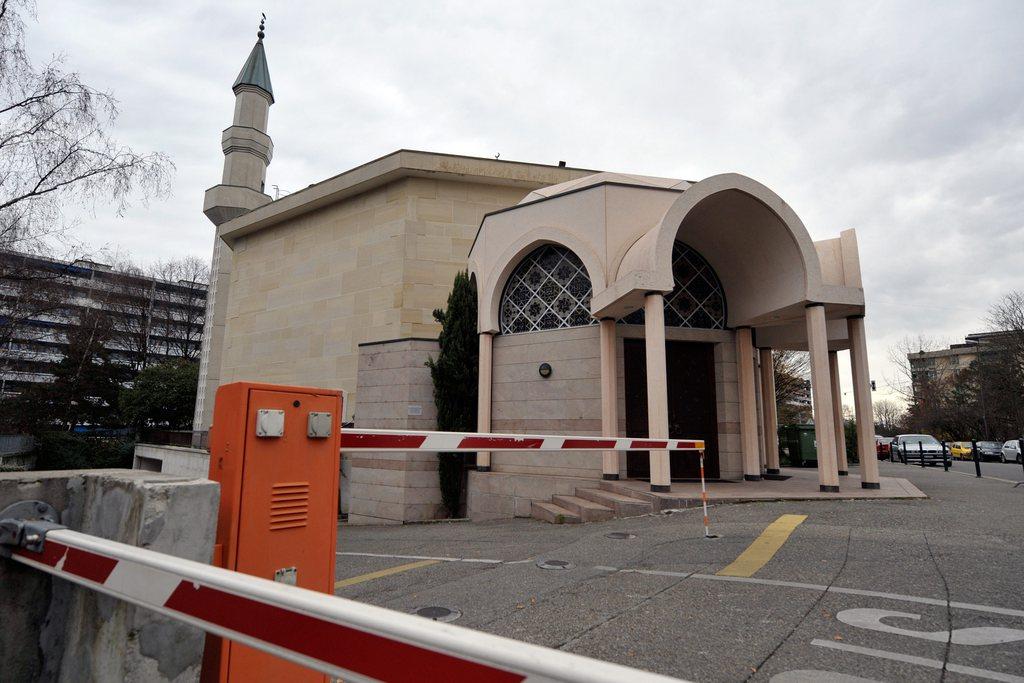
{"x": 415, "y": 410}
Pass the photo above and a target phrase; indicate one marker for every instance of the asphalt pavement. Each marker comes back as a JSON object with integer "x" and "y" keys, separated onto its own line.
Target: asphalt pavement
{"x": 878, "y": 590}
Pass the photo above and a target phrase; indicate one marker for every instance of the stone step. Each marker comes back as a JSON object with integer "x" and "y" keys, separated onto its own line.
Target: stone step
{"x": 588, "y": 510}
{"x": 556, "y": 514}
{"x": 624, "y": 506}
{"x": 658, "y": 501}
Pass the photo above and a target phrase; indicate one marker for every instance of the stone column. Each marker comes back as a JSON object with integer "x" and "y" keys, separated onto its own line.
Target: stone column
{"x": 770, "y": 410}
{"x": 837, "y": 413}
{"x": 609, "y": 397}
{"x": 748, "y": 404}
{"x": 862, "y": 403}
{"x": 657, "y": 388}
{"x": 762, "y": 449}
{"x": 483, "y": 406}
{"x": 821, "y": 393}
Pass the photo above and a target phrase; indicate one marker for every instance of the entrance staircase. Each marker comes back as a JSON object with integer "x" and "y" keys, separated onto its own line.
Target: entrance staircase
{"x": 608, "y": 501}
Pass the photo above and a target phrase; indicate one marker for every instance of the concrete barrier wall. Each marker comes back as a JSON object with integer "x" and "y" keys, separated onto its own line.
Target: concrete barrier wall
{"x": 56, "y": 631}
{"x": 177, "y": 460}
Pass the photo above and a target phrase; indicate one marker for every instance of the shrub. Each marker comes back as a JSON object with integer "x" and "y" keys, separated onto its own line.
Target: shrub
{"x": 454, "y": 373}
{"x": 69, "y": 451}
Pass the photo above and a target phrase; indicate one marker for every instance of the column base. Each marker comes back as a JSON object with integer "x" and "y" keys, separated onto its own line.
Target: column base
{"x": 870, "y": 485}
{"x": 483, "y": 468}
{"x": 610, "y": 477}
{"x": 661, "y": 488}
{"x": 772, "y": 471}
{"x": 751, "y": 477}
{"x": 843, "y": 473}
{"x": 828, "y": 489}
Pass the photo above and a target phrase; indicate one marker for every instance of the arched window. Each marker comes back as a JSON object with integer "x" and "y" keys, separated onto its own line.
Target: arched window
{"x": 697, "y": 300}
{"x": 548, "y": 290}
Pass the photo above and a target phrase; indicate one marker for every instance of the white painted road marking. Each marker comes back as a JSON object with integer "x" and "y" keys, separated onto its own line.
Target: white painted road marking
{"x": 871, "y": 594}
{"x": 980, "y": 635}
{"x": 920, "y": 661}
{"x": 818, "y": 676}
{"x": 821, "y": 588}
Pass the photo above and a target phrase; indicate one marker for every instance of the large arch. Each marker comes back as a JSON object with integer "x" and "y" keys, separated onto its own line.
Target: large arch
{"x": 750, "y": 236}
{"x": 489, "y": 300}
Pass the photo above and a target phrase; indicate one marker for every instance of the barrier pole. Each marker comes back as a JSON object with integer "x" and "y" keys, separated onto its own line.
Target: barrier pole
{"x": 704, "y": 497}
{"x": 342, "y": 638}
{"x": 977, "y": 458}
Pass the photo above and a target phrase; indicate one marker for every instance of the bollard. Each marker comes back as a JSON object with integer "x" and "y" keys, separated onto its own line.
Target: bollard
{"x": 704, "y": 498}
{"x": 977, "y": 462}
{"x": 945, "y": 460}
{"x": 1020, "y": 454}
{"x": 920, "y": 451}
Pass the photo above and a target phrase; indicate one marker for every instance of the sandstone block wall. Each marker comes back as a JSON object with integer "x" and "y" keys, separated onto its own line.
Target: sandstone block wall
{"x": 395, "y": 392}
{"x": 307, "y": 292}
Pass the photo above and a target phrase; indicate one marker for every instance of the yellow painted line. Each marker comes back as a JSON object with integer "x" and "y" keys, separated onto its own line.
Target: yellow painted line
{"x": 383, "y": 572}
{"x": 764, "y": 546}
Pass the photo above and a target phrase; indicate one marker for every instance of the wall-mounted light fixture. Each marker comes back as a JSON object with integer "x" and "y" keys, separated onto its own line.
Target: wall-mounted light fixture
{"x": 545, "y": 370}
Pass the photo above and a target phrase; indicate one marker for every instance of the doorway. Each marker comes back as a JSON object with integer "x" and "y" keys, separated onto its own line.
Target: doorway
{"x": 692, "y": 406}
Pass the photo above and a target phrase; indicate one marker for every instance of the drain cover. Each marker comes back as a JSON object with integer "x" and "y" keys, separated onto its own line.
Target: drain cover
{"x": 554, "y": 564}
{"x": 438, "y": 613}
{"x": 620, "y": 535}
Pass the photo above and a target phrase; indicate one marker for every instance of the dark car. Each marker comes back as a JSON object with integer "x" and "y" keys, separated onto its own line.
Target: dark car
{"x": 913, "y": 448}
{"x": 990, "y": 450}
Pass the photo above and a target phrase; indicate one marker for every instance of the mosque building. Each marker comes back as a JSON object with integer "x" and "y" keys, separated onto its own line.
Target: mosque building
{"x": 654, "y": 303}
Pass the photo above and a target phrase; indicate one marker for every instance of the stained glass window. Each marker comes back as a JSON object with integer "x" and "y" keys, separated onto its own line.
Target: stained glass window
{"x": 697, "y": 299}
{"x": 548, "y": 290}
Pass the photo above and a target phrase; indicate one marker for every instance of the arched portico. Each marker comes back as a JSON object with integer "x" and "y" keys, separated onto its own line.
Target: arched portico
{"x": 778, "y": 284}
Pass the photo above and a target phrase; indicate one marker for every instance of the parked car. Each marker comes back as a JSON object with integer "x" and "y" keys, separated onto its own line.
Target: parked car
{"x": 883, "y": 447}
{"x": 915, "y": 447}
{"x": 1011, "y": 451}
{"x": 961, "y": 450}
{"x": 990, "y": 450}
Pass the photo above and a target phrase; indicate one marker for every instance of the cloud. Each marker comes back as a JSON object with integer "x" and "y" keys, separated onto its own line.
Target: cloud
{"x": 902, "y": 120}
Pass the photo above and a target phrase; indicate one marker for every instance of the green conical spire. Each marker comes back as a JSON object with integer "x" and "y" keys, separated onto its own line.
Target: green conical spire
{"x": 255, "y": 71}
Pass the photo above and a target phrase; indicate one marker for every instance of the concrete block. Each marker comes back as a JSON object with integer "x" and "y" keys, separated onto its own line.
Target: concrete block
{"x": 55, "y": 630}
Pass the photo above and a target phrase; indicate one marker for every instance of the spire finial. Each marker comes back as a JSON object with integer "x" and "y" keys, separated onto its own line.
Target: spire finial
{"x": 263, "y": 21}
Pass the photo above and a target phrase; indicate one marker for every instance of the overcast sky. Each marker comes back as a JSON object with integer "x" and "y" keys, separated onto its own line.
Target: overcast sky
{"x": 902, "y": 120}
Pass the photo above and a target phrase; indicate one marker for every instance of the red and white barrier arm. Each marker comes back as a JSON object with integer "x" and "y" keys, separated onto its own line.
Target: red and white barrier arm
{"x": 338, "y": 637}
{"x": 354, "y": 440}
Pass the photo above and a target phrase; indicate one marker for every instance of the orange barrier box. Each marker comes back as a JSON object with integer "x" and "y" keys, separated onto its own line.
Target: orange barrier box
{"x": 275, "y": 452}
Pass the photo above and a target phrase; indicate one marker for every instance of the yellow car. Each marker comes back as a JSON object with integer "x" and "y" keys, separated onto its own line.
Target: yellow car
{"x": 961, "y": 450}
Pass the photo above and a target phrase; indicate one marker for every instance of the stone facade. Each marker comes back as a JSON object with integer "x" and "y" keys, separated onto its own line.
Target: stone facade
{"x": 395, "y": 392}
{"x": 306, "y": 293}
{"x": 569, "y": 402}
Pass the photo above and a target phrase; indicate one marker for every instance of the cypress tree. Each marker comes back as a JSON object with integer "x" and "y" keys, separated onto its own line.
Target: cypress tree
{"x": 454, "y": 374}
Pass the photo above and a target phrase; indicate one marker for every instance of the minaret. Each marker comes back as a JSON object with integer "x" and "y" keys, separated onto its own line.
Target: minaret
{"x": 247, "y": 153}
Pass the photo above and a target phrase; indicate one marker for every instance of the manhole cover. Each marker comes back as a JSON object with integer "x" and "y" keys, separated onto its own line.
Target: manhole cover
{"x": 554, "y": 564}
{"x": 620, "y": 535}
{"x": 438, "y": 613}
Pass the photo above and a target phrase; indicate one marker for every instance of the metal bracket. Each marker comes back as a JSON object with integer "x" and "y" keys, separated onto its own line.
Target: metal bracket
{"x": 25, "y": 524}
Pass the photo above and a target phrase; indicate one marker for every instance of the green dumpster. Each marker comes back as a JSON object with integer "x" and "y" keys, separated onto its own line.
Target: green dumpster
{"x": 797, "y": 447}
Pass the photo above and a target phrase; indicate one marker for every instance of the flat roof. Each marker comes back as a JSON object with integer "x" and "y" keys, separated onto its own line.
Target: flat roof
{"x": 391, "y": 167}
